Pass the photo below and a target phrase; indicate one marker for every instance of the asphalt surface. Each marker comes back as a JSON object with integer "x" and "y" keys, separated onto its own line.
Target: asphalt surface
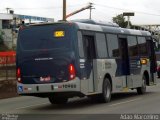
{"x": 122, "y": 103}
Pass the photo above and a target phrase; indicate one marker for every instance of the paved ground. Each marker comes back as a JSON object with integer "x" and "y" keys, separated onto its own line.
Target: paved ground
{"x": 122, "y": 103}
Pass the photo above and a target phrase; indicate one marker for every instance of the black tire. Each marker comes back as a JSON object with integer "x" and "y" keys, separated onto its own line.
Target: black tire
{"x": 142, "y": 89}
{"x": 105, "y": 96}
{"x": 57, "y": 100}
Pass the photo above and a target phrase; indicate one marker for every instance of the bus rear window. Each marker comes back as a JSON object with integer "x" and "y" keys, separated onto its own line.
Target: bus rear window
{"x": 45, "y": 37}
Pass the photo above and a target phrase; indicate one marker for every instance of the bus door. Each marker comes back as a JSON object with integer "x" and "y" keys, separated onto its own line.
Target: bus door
{"x": 90, "y": 55}
{"x": 134, "y": 62}
{"x": 125, "y": 71}
{"x": 150, "y": 47}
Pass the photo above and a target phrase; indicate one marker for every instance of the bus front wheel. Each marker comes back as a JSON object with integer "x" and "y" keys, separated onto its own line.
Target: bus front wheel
{"x": 142, "y": 89}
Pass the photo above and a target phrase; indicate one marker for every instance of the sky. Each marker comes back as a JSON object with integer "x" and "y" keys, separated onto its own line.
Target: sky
{"x": 146, "y": 11}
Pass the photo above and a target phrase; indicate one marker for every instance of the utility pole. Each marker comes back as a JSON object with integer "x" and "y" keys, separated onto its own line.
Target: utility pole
{"x": 128, "y": 14}
{"x": 91, "y": 7}
{"x": 8, "y": 10}
{"x": 77, "y": 11}
{"x": 128, "y": 25}
{"x": 64, "y": 10}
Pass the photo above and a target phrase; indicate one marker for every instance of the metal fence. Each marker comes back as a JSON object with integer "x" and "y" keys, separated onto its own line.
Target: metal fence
{"x": 7, "y": 65}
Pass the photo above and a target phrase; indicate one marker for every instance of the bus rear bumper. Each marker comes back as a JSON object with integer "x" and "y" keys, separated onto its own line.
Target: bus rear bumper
{"x": 70, "y": 86}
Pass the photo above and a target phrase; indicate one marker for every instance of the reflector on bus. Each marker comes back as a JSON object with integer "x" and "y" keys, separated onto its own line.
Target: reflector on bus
{"x": 144, "y": 61}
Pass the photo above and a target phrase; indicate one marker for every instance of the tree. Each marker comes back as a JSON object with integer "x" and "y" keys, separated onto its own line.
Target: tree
{"x": 120, "y": 20}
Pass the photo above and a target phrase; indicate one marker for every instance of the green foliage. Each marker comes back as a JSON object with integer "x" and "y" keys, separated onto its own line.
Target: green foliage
{"x": 120, "y": 20}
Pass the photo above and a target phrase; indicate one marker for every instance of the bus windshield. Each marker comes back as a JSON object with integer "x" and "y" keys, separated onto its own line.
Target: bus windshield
{"x": 45, "y": 38}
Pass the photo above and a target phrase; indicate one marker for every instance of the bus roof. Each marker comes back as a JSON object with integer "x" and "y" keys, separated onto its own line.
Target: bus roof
{"x": 111, "y": 29}
{"x": 101, "y": 27}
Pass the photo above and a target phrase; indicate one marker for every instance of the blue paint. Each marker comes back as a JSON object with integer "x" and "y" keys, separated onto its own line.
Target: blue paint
{"x": 20, "y": 88}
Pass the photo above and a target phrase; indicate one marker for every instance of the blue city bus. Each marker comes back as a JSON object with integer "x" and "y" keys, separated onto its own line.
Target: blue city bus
{"x": 83, "y": 58}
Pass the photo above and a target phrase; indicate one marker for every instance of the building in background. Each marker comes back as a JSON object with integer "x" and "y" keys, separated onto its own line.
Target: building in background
{"x": 9, "y": 24}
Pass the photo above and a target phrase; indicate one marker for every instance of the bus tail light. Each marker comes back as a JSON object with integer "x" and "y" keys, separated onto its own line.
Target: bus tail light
{"x": 19, "y": 75}
{"x": 72, "y": 72}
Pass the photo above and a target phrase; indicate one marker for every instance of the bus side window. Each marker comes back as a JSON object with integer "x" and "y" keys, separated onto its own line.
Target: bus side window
{"x": 132, "y": 46}
{"x": 113, "y": 47}
{"x": 89, "y": 46}
{"x": 101, "y": 45}
{"x": 80, "y": 45}
{"x": 142, "y": 46}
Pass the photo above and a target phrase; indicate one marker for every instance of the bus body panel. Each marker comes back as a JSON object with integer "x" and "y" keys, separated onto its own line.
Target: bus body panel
{"x": 39, "y": 66}
{"x": 42, "y": 55}
{"x": 71, "y": 86}
{"x": 44, "y": 60}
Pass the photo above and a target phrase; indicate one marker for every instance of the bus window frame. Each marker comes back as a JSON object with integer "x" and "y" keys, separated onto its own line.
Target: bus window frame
{"x": 107, "y": 54}
{"x": 141, "y": 55}
{"x": 136, "y": 44}
{"x": 117, "y": 35}
{"x": 82, "y": 47}
{"x": 89, "y": 33}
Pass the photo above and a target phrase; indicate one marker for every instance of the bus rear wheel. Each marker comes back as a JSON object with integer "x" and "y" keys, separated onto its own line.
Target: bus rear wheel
{"x": 57, "y": 100}
{"x": 142, "y": 89}
{"x": 105, "y": 96}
